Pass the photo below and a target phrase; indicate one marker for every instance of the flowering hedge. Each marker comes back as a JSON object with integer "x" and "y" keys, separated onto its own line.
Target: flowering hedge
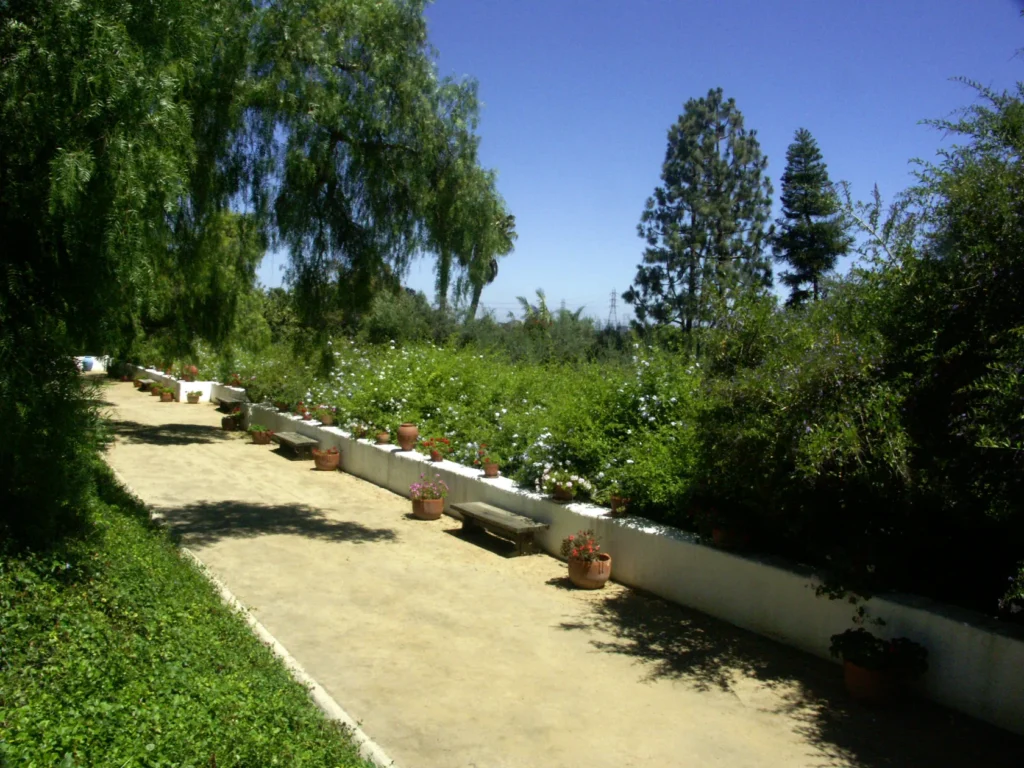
{"x": 630, "y": 423}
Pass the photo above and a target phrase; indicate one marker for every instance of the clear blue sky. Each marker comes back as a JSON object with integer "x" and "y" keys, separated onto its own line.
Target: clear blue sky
{"x": 577, "y": 97}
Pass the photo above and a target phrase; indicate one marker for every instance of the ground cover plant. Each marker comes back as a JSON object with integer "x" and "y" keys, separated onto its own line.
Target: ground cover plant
{"x": 114, "y": 650}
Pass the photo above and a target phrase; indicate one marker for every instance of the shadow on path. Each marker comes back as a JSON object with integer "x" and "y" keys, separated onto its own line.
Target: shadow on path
{"x": 208, "y": 522}
{"x": 168, "y": 434}
{"x": 493, "y": 544}
{"x": 672, "y": 642}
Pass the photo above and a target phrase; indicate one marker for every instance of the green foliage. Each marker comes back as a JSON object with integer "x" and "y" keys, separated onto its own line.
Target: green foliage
{"x": 707, "y": 225}
{"x": 131, "y": 135}
{"x": 398, "y": 317}
{"x": 811, "y": 234}
{"x": 114, "y": 650}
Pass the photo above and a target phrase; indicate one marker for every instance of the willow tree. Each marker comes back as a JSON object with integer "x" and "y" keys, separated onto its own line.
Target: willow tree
{"x": 130, "y": 129}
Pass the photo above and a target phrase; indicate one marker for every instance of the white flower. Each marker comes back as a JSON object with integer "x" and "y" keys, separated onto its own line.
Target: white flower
{"x": 629, "y": 461}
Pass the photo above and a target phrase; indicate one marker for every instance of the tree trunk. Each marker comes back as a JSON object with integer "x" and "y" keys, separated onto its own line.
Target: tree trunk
{"x": 478, "y": 288}
{"x": 444, "y": 273}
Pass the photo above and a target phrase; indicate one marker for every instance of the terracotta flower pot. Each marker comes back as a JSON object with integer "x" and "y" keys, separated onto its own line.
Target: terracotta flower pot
{"x": 619, "y": 504}
{"x": 490, "y": 470}
{"x": 327, "y": 419}
{"x": 436, "y": 456}
{"x": 230, "y": 423}
{"x": 383, "y": 438}
{"x": 326, "y": 461}
{"x": 136, "y": 383}
{"x": 730, "y": 538}
{"x": 154, "y": 392}
{"x": 281, "y": 405}
{"x": 428, "y": 509}
{"x": 261, "y": 438}
{"x": 166, "y": 397}
{"x": 562, "y": 494}
{"x": 592, "y": 575}
{"x": 868, "y": 685}
{"x": 193, "y": 399}
{"x": 407, "y": 434}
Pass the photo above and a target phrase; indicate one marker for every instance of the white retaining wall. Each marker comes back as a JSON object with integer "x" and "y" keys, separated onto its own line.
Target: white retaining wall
{"x": 181, "y": 388}
{"x": 975, "y": 664}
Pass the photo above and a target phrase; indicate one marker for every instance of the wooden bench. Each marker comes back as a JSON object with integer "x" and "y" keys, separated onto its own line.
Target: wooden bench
{"x": 476, "y": 514}
{"x": 226, "y": 402}
{"x": 298, "y": 443}
{"x": 145, "y": 384}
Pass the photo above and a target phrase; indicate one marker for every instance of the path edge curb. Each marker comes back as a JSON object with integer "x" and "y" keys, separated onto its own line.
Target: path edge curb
{"x": 368, "y": 748}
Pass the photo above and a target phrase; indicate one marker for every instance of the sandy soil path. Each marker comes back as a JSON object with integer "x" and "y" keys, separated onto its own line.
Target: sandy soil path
{"x": 450, "y": 653}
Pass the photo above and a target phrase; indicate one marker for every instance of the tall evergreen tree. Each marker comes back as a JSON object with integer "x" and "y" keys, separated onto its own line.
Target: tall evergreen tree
{"x": 811, "y": 234}
{"x": 707, "y": 224}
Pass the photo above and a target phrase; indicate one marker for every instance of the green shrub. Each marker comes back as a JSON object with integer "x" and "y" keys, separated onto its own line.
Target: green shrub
{"x": 114, "y": 650}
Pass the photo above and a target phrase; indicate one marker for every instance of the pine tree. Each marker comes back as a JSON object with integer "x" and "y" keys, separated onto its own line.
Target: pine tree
{"x": 706, "y": 224}
{"x": 811, "y": 235}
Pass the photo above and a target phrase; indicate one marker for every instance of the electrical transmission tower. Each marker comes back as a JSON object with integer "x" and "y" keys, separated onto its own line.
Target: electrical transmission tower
{"x": 613, "y": 316}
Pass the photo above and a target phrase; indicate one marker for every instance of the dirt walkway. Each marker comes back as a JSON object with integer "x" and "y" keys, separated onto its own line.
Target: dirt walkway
{"x": 452, "y": 654}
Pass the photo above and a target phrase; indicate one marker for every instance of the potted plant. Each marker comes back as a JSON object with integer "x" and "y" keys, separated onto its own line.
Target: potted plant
{"x": 235, "y": 381}
{"x": 619, "y": 502}
{"x": 615, "y": 496}
{"x": 589, "y": 567}
{"x": 233, "y": 420}
{"x": 359, "y": 430}
{"x": 436, "y": 447}
{"x": 193, "y": 396}
{"x": 136, "y": 382}
{"x": 408, "y": 433}
{"x": 155, "y": 390}
{"x": 488, "y": 460}
{"x": 875, "y": 669}
{"x": 383, "y": 436}
{"x": 727, "y": 529}
{"x": 562, "y": 484}
{"x": 428, "y": 497}
{"x": 166, "y": 396}
{"x": 326, "y": 459}
{"x": 325, "y": 414}
{"x": 189, "y": 373}
{"x": 260, "y": 435}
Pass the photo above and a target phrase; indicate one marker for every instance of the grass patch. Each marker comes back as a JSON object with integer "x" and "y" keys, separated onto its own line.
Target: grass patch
{"x": 116, "y": 651}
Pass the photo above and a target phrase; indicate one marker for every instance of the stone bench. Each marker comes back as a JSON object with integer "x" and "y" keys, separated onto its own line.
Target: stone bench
{"x": 507, "y": 525}
{"x": 301, "y": 444}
